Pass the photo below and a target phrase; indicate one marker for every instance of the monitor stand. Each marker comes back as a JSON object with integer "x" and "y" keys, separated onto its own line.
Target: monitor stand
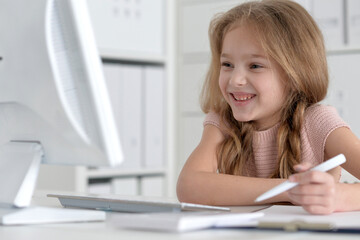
{"x": 19, "y": 168}
{"x": 46, "y": 215}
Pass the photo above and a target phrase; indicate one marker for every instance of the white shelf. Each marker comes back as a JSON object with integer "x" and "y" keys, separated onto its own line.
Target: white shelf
{"x": 343, "y": 50}
{"x": 132, "y": 56}
{"x": 113, "y": 172}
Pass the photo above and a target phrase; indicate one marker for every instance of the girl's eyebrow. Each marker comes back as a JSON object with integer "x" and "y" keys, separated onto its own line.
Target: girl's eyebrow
{"x": 226, "y": 55}
{"x": 257, "y": 56}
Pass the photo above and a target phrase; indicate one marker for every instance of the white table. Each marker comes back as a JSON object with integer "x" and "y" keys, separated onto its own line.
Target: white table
{"x": 107, "y": 231}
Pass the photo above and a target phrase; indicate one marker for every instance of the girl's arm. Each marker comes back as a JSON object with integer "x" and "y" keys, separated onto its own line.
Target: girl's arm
{"x": 317, "y": 192}
{"x": 199, "y": 181}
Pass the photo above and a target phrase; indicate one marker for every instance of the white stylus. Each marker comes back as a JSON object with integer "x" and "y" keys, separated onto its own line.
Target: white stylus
{"x": 323, "y": 167}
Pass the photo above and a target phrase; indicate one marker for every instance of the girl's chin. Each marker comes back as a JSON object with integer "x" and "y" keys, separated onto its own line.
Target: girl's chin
{"x": 242, "y": 118}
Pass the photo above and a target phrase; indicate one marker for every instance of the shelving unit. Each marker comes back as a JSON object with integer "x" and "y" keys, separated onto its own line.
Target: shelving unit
{"x": 166, "y": 59}
{"x": 79, "y": 178}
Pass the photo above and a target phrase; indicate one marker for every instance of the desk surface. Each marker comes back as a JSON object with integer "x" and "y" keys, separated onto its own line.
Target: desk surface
{"x": 107, "y": 230}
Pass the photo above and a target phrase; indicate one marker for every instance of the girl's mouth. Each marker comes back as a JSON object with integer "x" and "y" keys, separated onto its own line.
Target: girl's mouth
{"x": 241, "y": 97}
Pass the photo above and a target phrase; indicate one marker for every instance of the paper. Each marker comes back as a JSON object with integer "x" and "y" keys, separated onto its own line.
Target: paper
{"x": 341, "y": 220}
{"x": 185, "y": 221}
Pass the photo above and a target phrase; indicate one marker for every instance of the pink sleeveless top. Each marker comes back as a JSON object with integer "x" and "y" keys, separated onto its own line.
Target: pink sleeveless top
{"x": 319, "y": 122}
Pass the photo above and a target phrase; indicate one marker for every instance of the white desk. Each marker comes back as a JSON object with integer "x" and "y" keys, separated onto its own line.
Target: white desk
{"x": 107, "y": 231}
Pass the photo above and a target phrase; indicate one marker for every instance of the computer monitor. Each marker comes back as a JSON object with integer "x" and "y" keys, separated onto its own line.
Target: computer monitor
{"x": 54, "y": 105}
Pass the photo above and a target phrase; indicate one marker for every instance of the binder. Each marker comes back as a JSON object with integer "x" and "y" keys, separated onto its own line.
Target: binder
{"x": 154, "y": 117}
{"x": 112, "y": 75}
{"x": 342, "y": 93}
{"x": 100, "y": 188}
{"x": 128, "y": 186}
{"x": 191, "y": 79}
{"x": 353, "y": 22}
{"x": 131, "y": 116}
{"x": 330, "y": 18}
{"x": 124, "y": 84}
{"x": 153, "y": 186}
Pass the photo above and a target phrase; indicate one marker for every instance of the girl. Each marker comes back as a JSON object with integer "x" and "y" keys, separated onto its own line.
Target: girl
{"x": 268, "y": 73}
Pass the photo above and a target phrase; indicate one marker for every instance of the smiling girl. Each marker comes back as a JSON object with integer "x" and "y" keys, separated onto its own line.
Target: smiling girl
{"x": 264, "y": 122}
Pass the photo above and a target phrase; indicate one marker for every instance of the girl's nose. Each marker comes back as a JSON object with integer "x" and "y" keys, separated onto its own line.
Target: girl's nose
{"x": 238, "y": 78}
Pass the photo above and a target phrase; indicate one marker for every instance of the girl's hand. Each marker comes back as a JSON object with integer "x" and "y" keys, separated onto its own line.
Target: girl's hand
{"x": 316, "y": 192}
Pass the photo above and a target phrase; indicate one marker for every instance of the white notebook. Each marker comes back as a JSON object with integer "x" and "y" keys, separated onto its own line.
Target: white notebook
{"x": 185, "y": 221}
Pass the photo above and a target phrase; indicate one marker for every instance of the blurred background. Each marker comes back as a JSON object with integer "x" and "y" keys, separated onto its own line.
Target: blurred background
{"x": 155, "y": 55}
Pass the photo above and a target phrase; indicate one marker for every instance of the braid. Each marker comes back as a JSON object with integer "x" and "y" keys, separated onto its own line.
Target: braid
{"x": 289, "y": 140}
{"x": 236, "y": 149}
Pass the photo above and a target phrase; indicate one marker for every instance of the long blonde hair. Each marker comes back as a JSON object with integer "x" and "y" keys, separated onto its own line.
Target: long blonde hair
{"x": 289, "y": 36}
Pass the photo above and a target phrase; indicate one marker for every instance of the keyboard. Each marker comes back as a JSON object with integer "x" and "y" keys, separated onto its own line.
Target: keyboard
{"x": 138, "y": 204}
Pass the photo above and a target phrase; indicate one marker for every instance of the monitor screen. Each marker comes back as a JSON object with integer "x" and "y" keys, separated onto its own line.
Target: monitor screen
{"x": 53, "y": 95}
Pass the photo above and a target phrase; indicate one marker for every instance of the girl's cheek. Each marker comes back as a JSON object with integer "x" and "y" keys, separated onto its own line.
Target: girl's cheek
{"x": 222, "y": 85}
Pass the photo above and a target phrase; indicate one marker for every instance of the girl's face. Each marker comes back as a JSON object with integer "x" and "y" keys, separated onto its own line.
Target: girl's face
{"x": 251, "y": 83}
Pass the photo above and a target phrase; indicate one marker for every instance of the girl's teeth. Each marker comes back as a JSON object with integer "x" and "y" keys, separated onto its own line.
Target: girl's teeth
{"x": 242, "y": 98}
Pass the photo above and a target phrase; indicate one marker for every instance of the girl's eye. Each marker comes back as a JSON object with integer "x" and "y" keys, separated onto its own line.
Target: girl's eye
{"x": 226, "y": 64}
{"x": 255, "y": 66}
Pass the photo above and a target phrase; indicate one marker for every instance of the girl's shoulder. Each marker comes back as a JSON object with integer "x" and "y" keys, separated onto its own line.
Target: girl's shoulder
{"x": 212, "y": 118}
{"x": 323, "y": 116}
{"x": 319, "y": 121}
